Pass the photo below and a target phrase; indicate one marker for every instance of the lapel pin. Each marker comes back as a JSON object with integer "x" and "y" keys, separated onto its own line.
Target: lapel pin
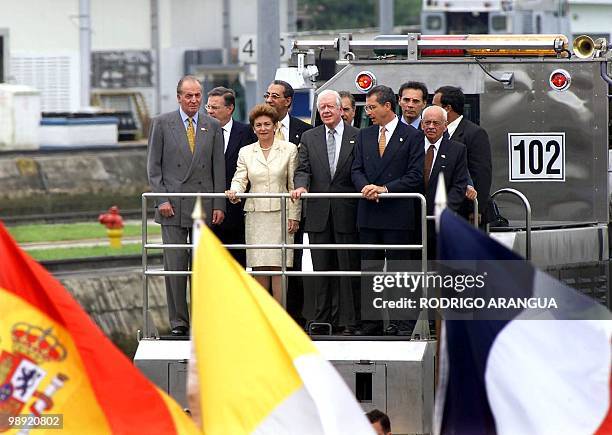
{"x": 443, "y": 156}
{"x": 401, "y": 139}
{"x": 203, "y": 129}
{"x": 351, "y": 141}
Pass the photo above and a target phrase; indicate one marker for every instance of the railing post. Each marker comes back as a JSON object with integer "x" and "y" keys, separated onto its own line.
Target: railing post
{"x": 145, "y": 280}
{"x": 284, "y": 228}
{"x": 527, "y": 205}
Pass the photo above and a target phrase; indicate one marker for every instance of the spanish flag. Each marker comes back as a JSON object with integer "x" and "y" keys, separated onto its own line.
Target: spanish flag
{"x": 257, "y": 371}
{"x": 55, "y": 361}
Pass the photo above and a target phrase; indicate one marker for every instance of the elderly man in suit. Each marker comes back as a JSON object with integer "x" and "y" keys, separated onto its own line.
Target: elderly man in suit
{"x": 280, "y": 96}
{"x": 185, "y": 154}
{"x": 476, "y": 141}
{"x": 325, "y": 160}
{"x": 441, "y": 156}
{"x": 388, "y": 158}
{"x": 220, "y": 105}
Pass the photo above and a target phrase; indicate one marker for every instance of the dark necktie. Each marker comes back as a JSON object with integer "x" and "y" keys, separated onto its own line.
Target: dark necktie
{"x": 429, "y": 157}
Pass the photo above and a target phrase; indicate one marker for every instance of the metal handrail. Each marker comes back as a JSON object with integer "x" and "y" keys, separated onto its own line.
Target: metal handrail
{"x": 284, "y": 273}
{"x": 527, "y": 205}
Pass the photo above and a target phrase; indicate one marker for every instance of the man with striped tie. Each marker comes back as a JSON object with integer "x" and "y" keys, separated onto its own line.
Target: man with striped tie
{"x": 185, "y": 154}
{"x": 388, "y": 158}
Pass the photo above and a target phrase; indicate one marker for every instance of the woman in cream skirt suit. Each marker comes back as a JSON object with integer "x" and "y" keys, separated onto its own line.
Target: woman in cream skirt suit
{"x": 268, "y": 166}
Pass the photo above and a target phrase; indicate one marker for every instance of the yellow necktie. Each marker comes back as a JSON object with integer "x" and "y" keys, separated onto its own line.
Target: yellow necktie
{"x": 382, "y": 141}
{"x": 191, "y": 135}
{"x": 279, "y": 131}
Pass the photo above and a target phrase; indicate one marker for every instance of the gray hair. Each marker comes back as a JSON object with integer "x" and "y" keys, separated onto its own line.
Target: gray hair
{"x": 441, "y": 110}
{"x": 330, "y": 92}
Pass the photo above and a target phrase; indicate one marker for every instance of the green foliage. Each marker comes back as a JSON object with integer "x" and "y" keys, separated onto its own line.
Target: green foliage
{"x": 87, "y": 252}
{"x": 73, "y": 231}
{"x": 352, "y": 14}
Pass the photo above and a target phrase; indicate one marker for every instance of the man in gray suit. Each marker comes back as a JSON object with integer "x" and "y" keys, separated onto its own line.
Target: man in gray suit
{"x": 185, "y": 155}
{"x": 325, "y": 160}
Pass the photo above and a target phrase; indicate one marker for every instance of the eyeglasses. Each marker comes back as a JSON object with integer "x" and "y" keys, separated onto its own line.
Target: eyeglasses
{"x": 209, "y": 107}
{"x": 370, "y": 107}
{"x": 273, "y": 96}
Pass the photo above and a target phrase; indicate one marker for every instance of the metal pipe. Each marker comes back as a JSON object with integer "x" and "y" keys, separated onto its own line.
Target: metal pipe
{"x": 283, "y": 229}
{"x": 385, "y": 17}
{"x": 145, "y": 281}
{"x": 85, "y": 51}
{"x": 603, "y": 70}
{"x": 527, "y": 205}
{"x": 399, "y": 43}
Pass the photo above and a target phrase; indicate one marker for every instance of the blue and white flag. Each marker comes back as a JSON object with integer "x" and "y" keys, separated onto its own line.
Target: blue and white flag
{"x": 520, "y": 374}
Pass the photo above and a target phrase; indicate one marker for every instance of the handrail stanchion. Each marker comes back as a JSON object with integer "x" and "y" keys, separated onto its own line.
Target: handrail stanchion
{"x": 476, "y": 213}
{"x": 527, "y": 205}
{"x": 284, "y": 229}
{"x": 145, "y": 281}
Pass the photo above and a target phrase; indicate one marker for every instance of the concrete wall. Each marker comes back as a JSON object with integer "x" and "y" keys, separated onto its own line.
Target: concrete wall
{"x": 84, "y": 181}
{"x": 114, "y": 302}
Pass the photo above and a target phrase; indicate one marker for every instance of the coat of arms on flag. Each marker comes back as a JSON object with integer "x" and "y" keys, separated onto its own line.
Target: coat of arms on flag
{"x": 22, "y": 372}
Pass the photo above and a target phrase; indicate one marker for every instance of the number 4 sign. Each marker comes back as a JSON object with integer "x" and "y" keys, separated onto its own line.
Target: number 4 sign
{"x": 536, "y": 156}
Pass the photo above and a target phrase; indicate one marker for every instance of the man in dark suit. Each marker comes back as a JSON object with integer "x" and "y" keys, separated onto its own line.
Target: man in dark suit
{"x": 388, "y": 158}
{"x": 185, "y": 154}
{"x": 412, "y": 100}
{"x": 325, "y": 160}
{"x": 220, "y": 105}
{"x": 441, "y": 156}
{"x": 280, "y": 96}
{"x": 476, "y": 141}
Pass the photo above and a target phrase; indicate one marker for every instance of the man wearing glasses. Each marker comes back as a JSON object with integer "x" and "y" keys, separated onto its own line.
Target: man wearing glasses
{"x": 289, "y": 128}
{"x": 220, "y": 105}
{"x": 185, "y": 155}
{"x": 388, "y": 158}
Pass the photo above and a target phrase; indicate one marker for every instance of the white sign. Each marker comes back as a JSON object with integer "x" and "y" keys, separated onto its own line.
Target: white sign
{"x": 247, "y": 48}
{"x": 536, "y": 156}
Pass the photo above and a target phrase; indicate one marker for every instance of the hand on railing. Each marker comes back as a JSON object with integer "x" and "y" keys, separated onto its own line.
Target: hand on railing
{"x": 470, "y": 193}
{"x": 166, "y": 210}
{"x": 297, "y": 193}
{"x": 371, "y": 191}
{"x": 231, "y": 196}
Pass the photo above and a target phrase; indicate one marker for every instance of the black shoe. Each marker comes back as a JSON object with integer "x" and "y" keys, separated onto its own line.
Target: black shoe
{"x": 369, "y": 329}
{"x": 180, "y": 331}
{"x": 391, "y": 330}
{"x": 349, "y": 330}
{"x": 320, "y": 329}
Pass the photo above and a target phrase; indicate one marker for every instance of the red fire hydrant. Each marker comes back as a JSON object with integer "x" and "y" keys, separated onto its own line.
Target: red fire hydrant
{"x": 113, "y": 222}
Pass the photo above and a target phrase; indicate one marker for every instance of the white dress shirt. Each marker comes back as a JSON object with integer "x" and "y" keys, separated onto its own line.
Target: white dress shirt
{"x": 390, "y": 127}
{"x": 453, "y": 126}
{"x": 437, "y": 148}
{"x": 227, "y": 129}
{"x": 285, "y": 127}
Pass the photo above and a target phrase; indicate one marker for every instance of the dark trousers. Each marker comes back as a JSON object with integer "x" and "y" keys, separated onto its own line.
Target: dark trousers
{"x": 295, "y": 286}
{"x": 176, "y": 286}
{"x": 374, "y": 261}
{"x": 337, "y": 299}
{"x": 232, "y": 235}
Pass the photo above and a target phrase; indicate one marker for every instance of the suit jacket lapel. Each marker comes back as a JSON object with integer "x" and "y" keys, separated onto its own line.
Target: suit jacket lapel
{"x": 346, "y": 148}
{"x": 320, "y": 149}
{"x": 233, "y": 141}
{"x": 438, "y": 163}
{"x": 395, "y": 143}
{"x": 180, "y": 138}
{"x": 459, "y": 131}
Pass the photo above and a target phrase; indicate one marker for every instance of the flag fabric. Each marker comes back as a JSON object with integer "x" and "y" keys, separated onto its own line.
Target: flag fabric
{"x": 518, "y": 375}
{"x": 258, "y": 372}
{"x": 55, "y": 360}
